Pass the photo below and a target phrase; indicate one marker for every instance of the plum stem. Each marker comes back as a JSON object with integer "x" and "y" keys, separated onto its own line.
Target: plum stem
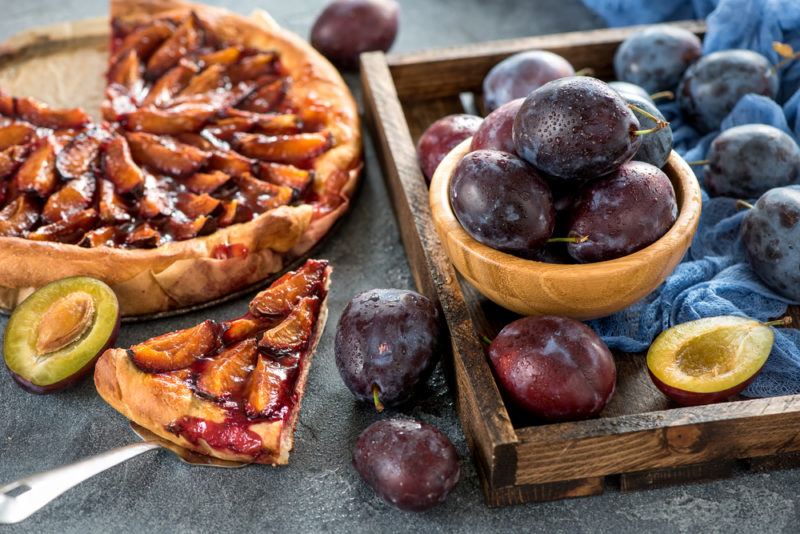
{"x": 780, "y": 64}
{"x": 571, "y": 239}
{"x": 586, "y": 71}
{"x": 660, "y": 124}
{"x": 378, "y": 404}
{"x": 783, "y": 321}
{"x": 666, "y": 95}
{"x": 743, "y": 204}
{"x": 698, "y": 162}
{"x": 485, "y": 339}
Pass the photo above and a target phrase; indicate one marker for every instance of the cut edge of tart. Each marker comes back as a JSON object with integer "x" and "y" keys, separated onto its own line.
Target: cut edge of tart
{"x": 236, "y": 397}
{"x": 179, "y": 271}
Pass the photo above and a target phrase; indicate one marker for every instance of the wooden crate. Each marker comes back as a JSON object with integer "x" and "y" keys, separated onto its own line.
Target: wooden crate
{"x": 640, "y": 440}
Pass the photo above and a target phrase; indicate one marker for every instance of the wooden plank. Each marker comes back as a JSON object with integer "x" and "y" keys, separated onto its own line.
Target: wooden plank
{"x": 449, "y": 71}
{"x": 680, "y": 436}
{"x": 685, "y": 474}
{"x": 483, "y": 415}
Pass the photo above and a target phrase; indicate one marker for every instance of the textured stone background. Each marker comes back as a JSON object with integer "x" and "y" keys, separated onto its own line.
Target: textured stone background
{"x": 320, "y": 490}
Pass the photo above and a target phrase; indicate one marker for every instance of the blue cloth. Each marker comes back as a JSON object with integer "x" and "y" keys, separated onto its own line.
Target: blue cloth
{"x": 714, "y": 278}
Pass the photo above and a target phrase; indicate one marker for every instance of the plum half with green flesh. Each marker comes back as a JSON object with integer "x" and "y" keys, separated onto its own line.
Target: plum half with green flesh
{"x": 711, "y": 359}
{"x": 55, "y": 335}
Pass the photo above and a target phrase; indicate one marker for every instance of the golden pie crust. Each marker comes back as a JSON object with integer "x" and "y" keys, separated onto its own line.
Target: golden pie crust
{"x": 185, "y": 273}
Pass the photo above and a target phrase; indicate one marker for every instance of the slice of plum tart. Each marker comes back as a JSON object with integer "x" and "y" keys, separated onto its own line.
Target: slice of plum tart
{"x": 229, "y": 389}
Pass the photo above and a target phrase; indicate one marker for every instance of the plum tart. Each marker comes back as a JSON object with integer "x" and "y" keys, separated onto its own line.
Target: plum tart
{"x": 228, "y": 389}
{"x": 227, "y": 149}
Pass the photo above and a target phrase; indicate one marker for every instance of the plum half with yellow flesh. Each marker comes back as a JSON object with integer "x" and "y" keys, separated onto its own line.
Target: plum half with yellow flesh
{"x": 709, "y": 360}
{"x": 55, "y": 335}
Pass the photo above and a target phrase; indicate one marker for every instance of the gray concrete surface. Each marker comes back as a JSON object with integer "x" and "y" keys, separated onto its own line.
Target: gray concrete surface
{"x": 320, "y": 491}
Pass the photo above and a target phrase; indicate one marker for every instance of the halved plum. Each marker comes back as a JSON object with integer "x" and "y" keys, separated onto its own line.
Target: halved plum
{"x": 175, "y": 350}
{"x": 54, "y": 337}
{"x": 709, "y": 360}
{"x": 281, "y": 296}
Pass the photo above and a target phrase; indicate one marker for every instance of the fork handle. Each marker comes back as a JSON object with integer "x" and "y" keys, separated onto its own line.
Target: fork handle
{"x": 23, "y": 497}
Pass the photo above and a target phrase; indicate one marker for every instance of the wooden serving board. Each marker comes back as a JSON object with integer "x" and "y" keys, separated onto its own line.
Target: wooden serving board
{"x": 641, "y": 440}
{"x": 64, "y": 65}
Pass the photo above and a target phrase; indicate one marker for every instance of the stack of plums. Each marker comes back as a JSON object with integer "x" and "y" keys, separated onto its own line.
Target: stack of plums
{"x": 569, "y": 173}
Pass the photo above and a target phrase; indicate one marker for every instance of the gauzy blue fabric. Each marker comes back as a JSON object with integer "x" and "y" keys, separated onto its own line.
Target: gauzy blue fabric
{"x": 714, "y": 278}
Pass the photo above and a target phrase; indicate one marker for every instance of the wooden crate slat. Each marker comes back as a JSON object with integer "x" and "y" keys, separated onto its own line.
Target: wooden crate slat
{"x": 449, "y": 71}
{"x": 480, "y": 406}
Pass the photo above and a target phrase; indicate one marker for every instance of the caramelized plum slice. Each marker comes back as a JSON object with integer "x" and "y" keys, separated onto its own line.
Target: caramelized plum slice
{"x": 143, "y": 41}
{"x": 175, "y": 350}
{"x": 18, "y": 216}
{"x": 111, "y": 208}
{"x": 186, "y": 39}
{"x": 99, "y": 237}
{"x": 118, "y": 102}
{"x": 253, "y": 67}
{"x": 6, "y": 104}
{"x": 225, "y": 128}
{"x": 182, "y": 228}
{"x": 38, "y": 173}
{"x": 201, "y": 182}
{"x": 75, "y": 196}
{"x": 166, "y": 155}
{"x": 127, "y": 72}
{"x": 287, "y": 175}
{"x": 155, "y": 201}
{"x": 196, "y": 205}
{"x": 234, "y": 212}
{"x": 11, "y": 159}
{"x": 170, "y": 84}
{"x": 120, "y": 168}
{"x": 17, "y": 133}
{"x": 143, "y": 236}
{"x": 182, "y": 118}
{"x": 225, "y": 376}
{"x": 279, "y": 298}
{"x": 267, "y": 390}
{"x": 262, "y": 196}
{"x": 67, "y": 230}
{"x": 224, "y": 56}
{"x": 208, "y": 80}
{"x": 54, "y": 337}
{"x": 242, "y": 328}
{"x": 278, "y": 124}
{"x": 41, "y": 114}
{"x": 80, "y": 156}
{"x": 267, "y": 97}
{"x": 297, "y": 148}
{"x": 230, "y": 163}
{"x": 293, "y": 333}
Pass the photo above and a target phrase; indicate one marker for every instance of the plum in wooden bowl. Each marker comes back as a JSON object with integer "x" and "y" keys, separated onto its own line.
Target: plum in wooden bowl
{"x": 581, "y": 291}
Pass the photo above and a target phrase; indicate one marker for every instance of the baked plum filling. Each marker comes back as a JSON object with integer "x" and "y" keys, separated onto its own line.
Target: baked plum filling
{"x": 200, "y": 134}
{"x": 248, "y": 365}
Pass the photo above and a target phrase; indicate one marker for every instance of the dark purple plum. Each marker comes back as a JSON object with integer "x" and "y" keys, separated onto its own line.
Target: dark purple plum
{"x": 625, "y": 88}
{"x": 441, "y": 137}
{"x": 346, "y": 28}
{"x": 502, "y": 202}
{"x": 495, "y": 131}
{"x": 410, "y": 464}
{"x": 386, "y": 343}
{"x": 575, "y": 129}
{"x": 746, "y": 161}
{"x": 770, "y": 234}
{"x": 622, "y": 213}
{"x": 518, "y": 75}
{"x": 712, "y": 86}
{"x": 657, "y": 57}
{"x": 656, "y": 146}
{"x": 554, "y": 368}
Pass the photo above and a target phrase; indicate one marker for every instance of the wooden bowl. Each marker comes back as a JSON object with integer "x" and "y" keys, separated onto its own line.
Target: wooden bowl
{"x": 581, "y": 291}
